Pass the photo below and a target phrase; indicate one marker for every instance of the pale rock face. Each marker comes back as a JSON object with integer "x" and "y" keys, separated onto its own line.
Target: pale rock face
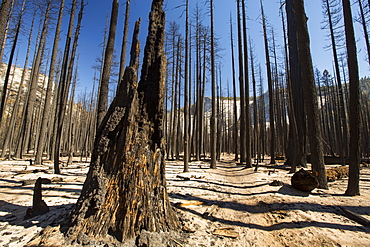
{"x": 15, "y": 81}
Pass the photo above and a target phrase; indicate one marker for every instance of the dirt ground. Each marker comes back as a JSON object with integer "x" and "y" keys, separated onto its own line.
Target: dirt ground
{"x": 229, "y": 206}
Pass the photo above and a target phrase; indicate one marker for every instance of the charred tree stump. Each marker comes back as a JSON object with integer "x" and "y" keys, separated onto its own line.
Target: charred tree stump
{"x": 125, "y": 189}
{"x": 39, "y": 207}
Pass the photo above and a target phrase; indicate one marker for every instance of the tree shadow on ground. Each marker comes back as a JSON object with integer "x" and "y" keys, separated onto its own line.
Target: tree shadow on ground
{"x": 231, "y": 185}
{"x": 284, "y": 190}
{"x": 15, "y": 215}
{"x": 263, "y": 207}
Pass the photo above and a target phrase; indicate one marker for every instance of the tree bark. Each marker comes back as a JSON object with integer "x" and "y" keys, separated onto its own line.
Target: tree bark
{"x": 4, "y": 13}
{"x": 241, "y": 89}
{"x": 33, "y": 85}
{"x": 65, "y": 82}
{"x": 6, "y": 80}
{"x": 104, "y": 83}
{"x": 213, "y": 74}
{"x": 125, "y": 190}
{"x": 49, "y": 91}
{"x": 186, "y": 93}
{"x": 354, "y": 110}
{"x": 124, "y": 43}
{"x": 364, "y": 27}
{"x": 270, "y": 90}
{"x": 297, "y": 128}
{"x": 235, "y": 107}
{"x": 310, "y": 97}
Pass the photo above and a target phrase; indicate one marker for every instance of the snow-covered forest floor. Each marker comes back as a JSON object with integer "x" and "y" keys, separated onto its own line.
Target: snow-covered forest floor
{"x": 231, "y": 201}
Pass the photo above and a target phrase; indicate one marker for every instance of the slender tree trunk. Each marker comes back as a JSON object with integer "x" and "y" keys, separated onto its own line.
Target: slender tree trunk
{"x": 186, "y": 93}
{"x": 364, "y": 27}
{"x": 270, "y": 90}
{"x": 11, "y": 56}
{"x": 4, "y": 14}
{"x": 49, "y": 92}
{"x": 255, "y": 114}
{"x": 34, "y": 81}
{"x": 242, "y": 93}
{"x": 310, "y": 97}
{"x": 213, "y": 136}
{"x": 124, "y": 43}
{"x": 248, "y": 142}
{"x": 297, "y": 132}
{"x": 104, "y": 83}
{"x": 9, "y": 134}
{"x": 354, "y": 110}
{"x": 344, "y": 134}
{"x": 235, "y": 107}
{"x": 65, "y": 81}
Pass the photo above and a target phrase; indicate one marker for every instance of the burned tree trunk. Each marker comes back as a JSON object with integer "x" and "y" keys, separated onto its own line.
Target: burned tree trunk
{"x": 125, "y": 190}
{"x": 39, "y": 207}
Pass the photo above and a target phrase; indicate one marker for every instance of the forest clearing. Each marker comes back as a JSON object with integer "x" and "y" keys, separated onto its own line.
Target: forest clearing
{"x": 255, "y": 213}
{"x": 164, "y": 150}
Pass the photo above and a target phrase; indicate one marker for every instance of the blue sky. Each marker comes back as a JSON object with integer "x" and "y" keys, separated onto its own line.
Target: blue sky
{"x": 96, "y": 13}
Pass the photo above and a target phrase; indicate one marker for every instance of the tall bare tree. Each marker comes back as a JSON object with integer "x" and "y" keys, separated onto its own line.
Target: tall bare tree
{"x": 365, "y": 29}
{"x": 49, "y": 91}
{"x": 310, "y": 97}
{"x": 4, "y": 14}
{"x": 33, "y": 85}
{"x": 214, "y": 109}
{"x": 65, "y": 79}
{"x": 270, "y": 89}
{"x": 354, "y": 110}
{"x": 248, "y": 150}
{"x": 235, "y": 123}
{"x": 242, "y": 142}
{"x": 186, "y": 93}
{"x": 11, "y": 56}
{"x": 108, "y": 59}
{"x": 296, "y": 155}
{"x": 124, "y": 42}
{"x": 332, "y": 13}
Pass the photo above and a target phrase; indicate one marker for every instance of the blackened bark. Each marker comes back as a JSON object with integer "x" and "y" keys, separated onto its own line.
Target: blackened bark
{"x": 235, "y": 108}
{"x": 49, "y": 91}
{"x": 124, "y": 43}
{"x": 241, "y": 89}
{"x": 248, "y": 141}
{"x": 186, "y": 93}
{"x": 104, "y": 83}
{"x": 364, "y": 27}
{"x": 270, "y": 90}
{"x": 354, "y": 110}
{"x": 125, "y": 190}
{"x": 4, "y": 10}
{"x": 310, "y": 97}
{"x": 6, "y": 80}
{"x": 213, "y": 136}
{"x": 297, "y": 128}
{"x": 39, "y": 206}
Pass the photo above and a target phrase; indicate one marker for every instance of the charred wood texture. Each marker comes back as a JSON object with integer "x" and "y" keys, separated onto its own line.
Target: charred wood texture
{"x": 39, "y": 207}
{"x": 125, "y": 190}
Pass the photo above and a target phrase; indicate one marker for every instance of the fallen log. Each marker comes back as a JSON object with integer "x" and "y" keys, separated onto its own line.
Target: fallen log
{"x": 184, "y": 204}
{"x": 356, "y": 217}
{"x": 226, "y": 232}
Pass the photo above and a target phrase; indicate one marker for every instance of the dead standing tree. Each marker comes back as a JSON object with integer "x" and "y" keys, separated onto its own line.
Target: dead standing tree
{"x": 125, "y": 190}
